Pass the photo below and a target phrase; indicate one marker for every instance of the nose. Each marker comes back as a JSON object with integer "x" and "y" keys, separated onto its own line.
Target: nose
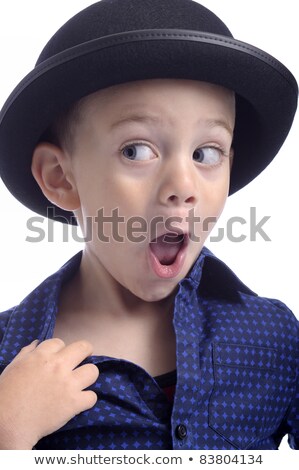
{"x": 179, "y": 183}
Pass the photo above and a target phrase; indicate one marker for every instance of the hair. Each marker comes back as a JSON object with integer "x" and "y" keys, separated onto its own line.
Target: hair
{"x": 62, "y": 131}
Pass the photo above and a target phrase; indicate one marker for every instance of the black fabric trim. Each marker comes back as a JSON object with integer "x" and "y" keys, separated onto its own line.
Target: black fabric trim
{"x": 112, "y": 40}
{"x": 166, "y": 380}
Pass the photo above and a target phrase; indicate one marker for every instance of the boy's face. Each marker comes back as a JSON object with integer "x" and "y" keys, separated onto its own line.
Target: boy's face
{"x": 157, "y": 151}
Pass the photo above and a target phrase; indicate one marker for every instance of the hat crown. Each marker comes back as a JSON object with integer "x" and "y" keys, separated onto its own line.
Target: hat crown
{"x": 119, "y": 41}
{"x": 108, "y": 17}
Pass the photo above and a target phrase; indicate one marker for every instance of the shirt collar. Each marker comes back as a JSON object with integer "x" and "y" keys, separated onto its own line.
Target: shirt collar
{"x": 34, "y": 317}
{"x": 210, "y": 273}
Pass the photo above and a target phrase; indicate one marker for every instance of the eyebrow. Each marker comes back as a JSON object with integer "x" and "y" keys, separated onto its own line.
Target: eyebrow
{"x": 220, "y": 123}
{"x": 153, "y": 119}
{"x": 143, "y": 118}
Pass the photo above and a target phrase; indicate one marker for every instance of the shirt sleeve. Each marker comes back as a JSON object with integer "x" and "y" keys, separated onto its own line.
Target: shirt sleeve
{"x": 290, "y": 424}
{"x": 293, "y": 415}
{"x": 4, "y": 319}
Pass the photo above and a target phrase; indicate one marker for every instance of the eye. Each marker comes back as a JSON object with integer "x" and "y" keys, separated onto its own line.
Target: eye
{"x": 138, "y": 152}
{"x": 208, "y": 155}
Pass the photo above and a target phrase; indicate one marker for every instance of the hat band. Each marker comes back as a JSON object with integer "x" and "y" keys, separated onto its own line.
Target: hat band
{"x": 140, "y": 36}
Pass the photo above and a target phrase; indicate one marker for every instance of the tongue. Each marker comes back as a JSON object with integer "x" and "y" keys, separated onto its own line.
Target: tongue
{"x": 166, "y": 248}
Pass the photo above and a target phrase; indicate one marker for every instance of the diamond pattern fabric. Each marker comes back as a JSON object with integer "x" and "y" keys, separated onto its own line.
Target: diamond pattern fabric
{"x": 237, "y": 370}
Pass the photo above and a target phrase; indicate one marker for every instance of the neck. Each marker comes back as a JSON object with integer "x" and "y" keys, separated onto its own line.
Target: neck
{"x": 94, "y": 290}
{"x": 94, "y": 306}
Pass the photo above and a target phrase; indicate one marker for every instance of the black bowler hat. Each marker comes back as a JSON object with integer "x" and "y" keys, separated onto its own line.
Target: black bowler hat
{"x": 117, "y": 41}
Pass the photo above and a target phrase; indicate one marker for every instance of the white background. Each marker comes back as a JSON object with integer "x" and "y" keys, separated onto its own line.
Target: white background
{"x": 268, "y": 268}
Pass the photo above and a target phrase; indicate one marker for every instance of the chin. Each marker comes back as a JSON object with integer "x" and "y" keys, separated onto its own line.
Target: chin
{"x": 157, "y": 293}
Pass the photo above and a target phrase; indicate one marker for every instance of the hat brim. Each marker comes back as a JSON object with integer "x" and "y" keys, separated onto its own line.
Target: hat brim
{"x": 266, "y": 97}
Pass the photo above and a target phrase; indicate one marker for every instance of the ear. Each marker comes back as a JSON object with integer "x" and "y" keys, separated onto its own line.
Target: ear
{"x": 51, "y": 168}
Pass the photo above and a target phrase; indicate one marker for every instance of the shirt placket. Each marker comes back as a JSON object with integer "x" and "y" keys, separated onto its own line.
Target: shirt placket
{"x": 187, "y": 328}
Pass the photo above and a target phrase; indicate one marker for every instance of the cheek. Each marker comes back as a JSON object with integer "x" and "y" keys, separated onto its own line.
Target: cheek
{"x": 211, "y": 204}
{"x": 130, "y": 195}
{"x": 110, "y": 204}
{"x": 216, "y": 192}
{"x": 97, "y": 186}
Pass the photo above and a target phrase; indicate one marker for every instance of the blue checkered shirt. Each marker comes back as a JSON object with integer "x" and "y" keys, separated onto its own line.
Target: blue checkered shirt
{"x": 237, "y": 370}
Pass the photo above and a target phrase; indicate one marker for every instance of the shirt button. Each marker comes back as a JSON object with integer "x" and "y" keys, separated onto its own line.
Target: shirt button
{"x": 181, "y": 431}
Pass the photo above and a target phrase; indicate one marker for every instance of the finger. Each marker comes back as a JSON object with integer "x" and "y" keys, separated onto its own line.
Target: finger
{"x": 86, "y": 375}
{"x": 88, "y": 399}
{"x": 73, "y": 354}
{"x": 52, "y": 345}
{"x": 85, "y": 400}
{"x": 27, "y": 349}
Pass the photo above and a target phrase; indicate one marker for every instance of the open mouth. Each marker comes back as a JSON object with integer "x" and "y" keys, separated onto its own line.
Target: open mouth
{"x": 167, "y": 246}
{"x": 167, "y": 254}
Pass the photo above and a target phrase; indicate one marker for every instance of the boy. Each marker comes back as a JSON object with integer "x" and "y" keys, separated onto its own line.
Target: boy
{"x": 137, "y": 122}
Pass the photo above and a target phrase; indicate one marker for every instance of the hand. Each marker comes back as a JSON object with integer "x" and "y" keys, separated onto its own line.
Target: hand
{"x": 42, "y": 389}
